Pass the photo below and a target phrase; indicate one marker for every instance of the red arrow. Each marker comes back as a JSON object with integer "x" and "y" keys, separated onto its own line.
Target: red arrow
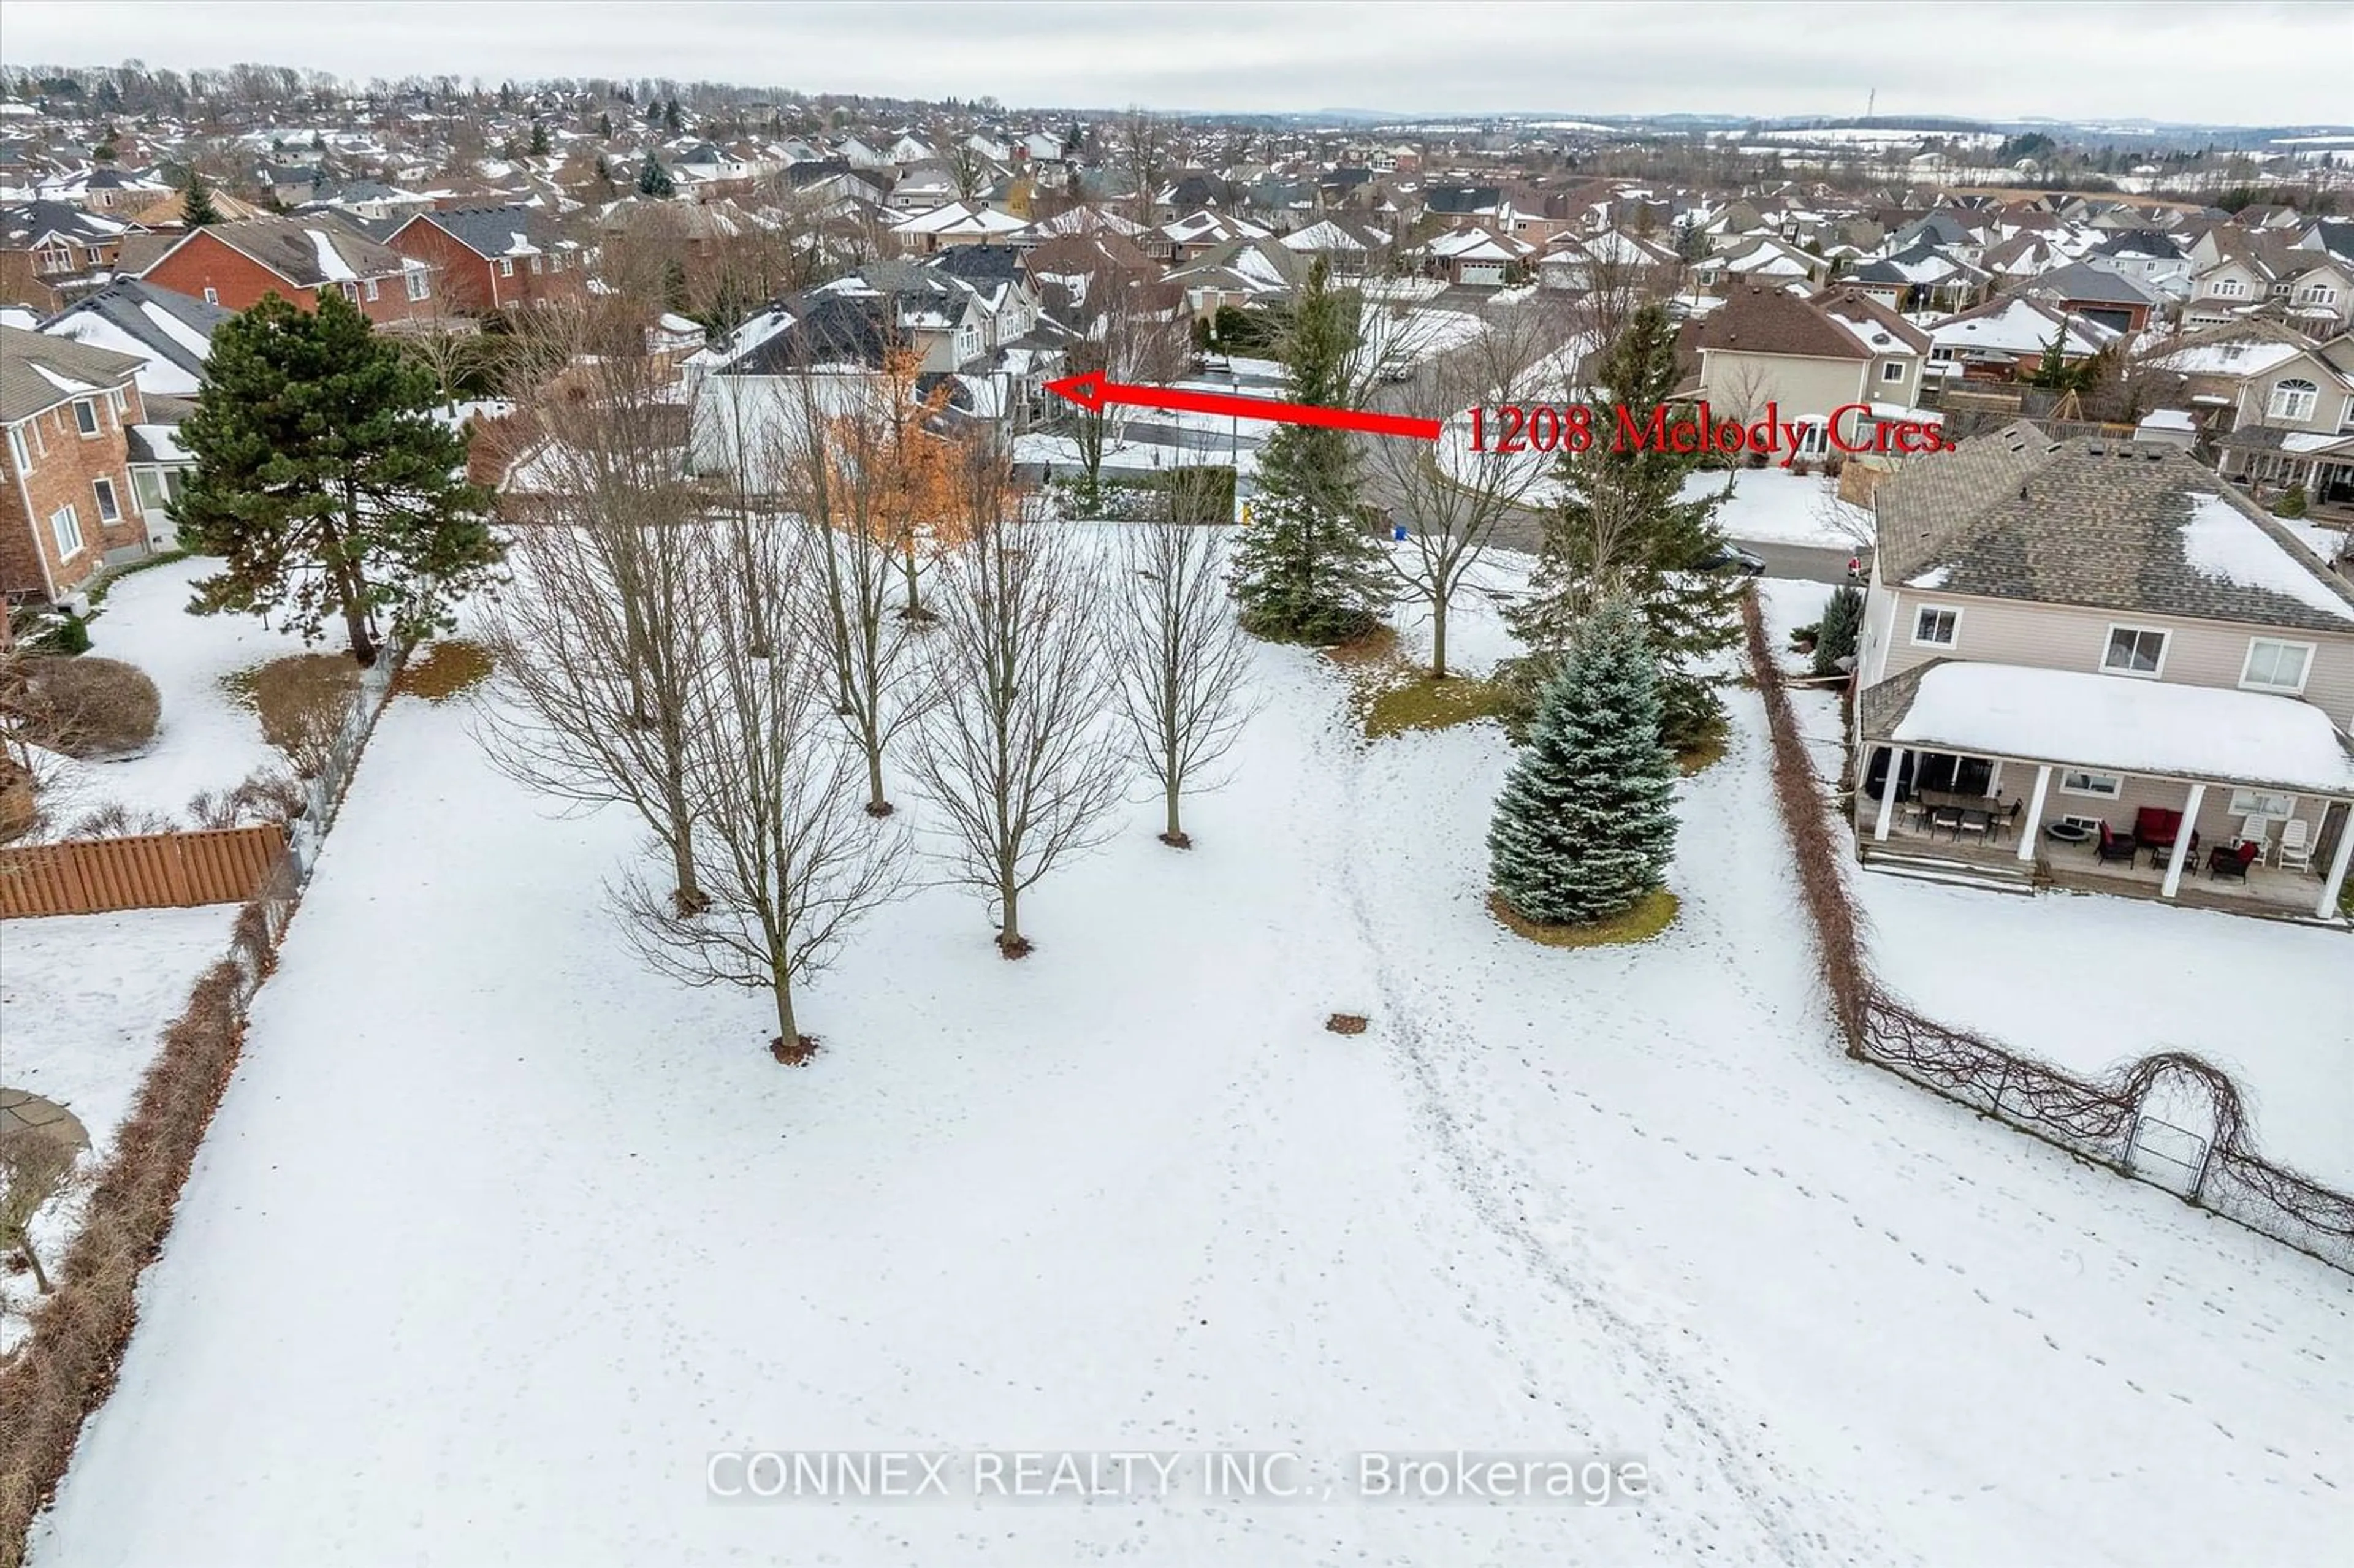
{"x": 1091, "y": 392}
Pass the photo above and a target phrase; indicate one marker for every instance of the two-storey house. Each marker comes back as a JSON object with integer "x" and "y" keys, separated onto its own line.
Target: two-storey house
{"x": 233, "y": 265}
{"x": 1834, "y": 366}
{"x": 52, "y": 253}
{"x": 67, "y": 503}
{"x": 490, "y": 259}
{"x": 2103, "y": 666}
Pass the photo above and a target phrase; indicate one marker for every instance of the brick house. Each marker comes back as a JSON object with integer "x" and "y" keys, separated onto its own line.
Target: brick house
{"x": 51, "y": 254}
{"x": 494, "y": 258}
{"x": 67, "y": 505}
{"x": 233, "y": 265}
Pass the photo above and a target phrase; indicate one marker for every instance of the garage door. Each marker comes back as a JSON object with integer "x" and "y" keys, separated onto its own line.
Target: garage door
{"x": 1488, "y": 272}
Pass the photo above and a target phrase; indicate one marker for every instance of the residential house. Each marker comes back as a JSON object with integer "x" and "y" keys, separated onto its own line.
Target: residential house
{"x": 2108, "y": 669}
{"x": 486, "y": 258}
{"x": 1345, "y": 247}
{"x": 2006, "y": 338}
{"x": 1579, "y": 264}
{"x": 1238, "y": 274}
{"x": 233, "y": 265}
{"x": 1479, "y": 258}
{"x": 1184, "y": 239}
{"x": 956, "y": 223}
{"x": 1836, "y": 366}
{"x": 67, "y": 505}
{"x": 169, "y": 333}
{"x": 1920, "y": 277}
{"x": 52, "y": 253}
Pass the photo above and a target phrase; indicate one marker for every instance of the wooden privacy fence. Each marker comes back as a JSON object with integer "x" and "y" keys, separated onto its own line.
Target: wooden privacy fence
{"x": 87, "y": 876}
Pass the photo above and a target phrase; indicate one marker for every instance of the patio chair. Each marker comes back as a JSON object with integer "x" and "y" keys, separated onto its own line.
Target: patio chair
{"x": 2295, "y": 850}
{"x": 2233, "y": 860}
{"x": 1973, "y": 819}
{"x": 2000, "y": 822}
{"x": 2115, "y": 846}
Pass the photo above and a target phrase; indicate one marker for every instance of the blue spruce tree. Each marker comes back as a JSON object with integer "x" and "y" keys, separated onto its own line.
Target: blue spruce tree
{"x": 1585, "y": 825}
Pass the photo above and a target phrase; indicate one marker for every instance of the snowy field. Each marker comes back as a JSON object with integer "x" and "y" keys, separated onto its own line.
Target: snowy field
{"x": 83, "y": 998}
{"x": 497, "y": 1237}
{"x": 204, "y": 739}
{"x": 1061, "y": 454}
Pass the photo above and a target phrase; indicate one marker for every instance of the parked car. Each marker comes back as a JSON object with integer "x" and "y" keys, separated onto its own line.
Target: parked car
{"x": 1733, "y": 558}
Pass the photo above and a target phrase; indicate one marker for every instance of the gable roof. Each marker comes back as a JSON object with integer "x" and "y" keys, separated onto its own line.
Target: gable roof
{"x": 24, "y": 224}
{"x": 492, "y": 232}
{"x": 2102, "y": 524}
{"x": 308, "y": 251}
{"x": 1837, "y": 324}
{"x": 38, "y": 371}
{"x": 172, "y": 332}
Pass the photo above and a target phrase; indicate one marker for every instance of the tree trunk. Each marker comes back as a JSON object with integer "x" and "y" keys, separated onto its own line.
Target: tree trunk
{"x": 789, "y": 1036}
{"x": 1439, "y": 636}
{"x": 1176, "y": 834}
{"x": 40, "y": 1275}
{"x": 877, "y": 804}
{"x": 1010, "y": 940}
{"x": 914, "y": 609}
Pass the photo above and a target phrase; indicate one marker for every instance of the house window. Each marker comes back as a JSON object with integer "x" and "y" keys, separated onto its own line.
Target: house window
{"x": 1893, "y": 371}
{"x": 67, "y": 529}
{"x": 535, "y": 265}
{"x": 1937, "y": 626}
{"x": 110, "y": 510}
{"x": 370, "y": 288}
{"x": 2108, "y": 786}
{"x": 57, "y": 258}
{"x": 212, "y": 296}
{"x": 2134, "y": 651}
{"x": 414, "y": 279}
{"x": 2257, "y": 803}
{"x": 2293, "y": 399}
{"x": 2317, "y": 294}
{"x": 2277, "y": 666}
{"x": 506, "y": 268}
{"x": 351, "y": 291}
{"x": 116, "y": 400}
{"x": 2229, "y": 289}
{"x": 18, "y": 451}
{"x": 86, "y": 416}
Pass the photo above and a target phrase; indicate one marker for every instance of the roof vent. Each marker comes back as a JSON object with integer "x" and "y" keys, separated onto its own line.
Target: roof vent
{"x": 2095, "y": 449}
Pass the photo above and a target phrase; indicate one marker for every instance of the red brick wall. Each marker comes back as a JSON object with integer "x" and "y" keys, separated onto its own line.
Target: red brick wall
{"x": 240, "y": 282}
{"x": 471, "y": 280}
{"x": 65, "y": 462}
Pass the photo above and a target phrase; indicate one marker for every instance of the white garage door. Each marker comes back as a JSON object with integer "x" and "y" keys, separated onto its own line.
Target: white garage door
{"x": 1488, "y": 272}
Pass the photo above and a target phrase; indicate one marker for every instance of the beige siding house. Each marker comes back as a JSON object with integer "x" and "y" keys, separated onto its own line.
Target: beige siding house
{"x": 1840, "y": 361}
{"x": 2067, "y": 637}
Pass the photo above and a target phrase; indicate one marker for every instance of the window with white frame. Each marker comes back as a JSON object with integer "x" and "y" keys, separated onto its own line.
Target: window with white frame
{"x": 212, "y": 296}
{"x": 57, "y": 258}
{"x": 2277, "y": 666}
{"x": 1936, "y": 626}
{"x": 2134, "y": 651}
{"x": 2317, "y": 294}
{"x": 2229, "y": 289}
{"x": 17, "y": 450}
{"x": 506, "y": 267}
{"x": 119, "y": 401}
{"x": 2262, "y": 803}
{"x": 370, "y": 288}
{"x": 535, "y": 265}
{"x": 2294, "y": 398}
{"x": 86, "y": 416}
{"x": 1893, "y": 371}
{"x": 109, "y": 509}
{"x": 2108, "y": 786}
{"x": 414, "y": 279}
{"x": 66, "y": 528}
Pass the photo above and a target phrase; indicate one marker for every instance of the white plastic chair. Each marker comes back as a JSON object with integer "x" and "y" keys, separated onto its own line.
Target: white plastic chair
{"x": 2253, "y": 830}
{"x": 2294, "y": 851}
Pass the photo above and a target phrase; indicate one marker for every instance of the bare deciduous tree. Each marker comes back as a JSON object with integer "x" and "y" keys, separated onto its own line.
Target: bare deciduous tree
{"x": 787, "y": 861}
{"x": 599, "y": 642}
{"x": 1143, "y": 153}
{"x": 1017, "y": 751}
{"x": 1178, "y": 647}
{"x": 34, "y": 1168}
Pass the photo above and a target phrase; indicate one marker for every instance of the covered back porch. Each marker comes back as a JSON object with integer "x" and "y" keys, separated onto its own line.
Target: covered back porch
{"x": 2195, "y": 795}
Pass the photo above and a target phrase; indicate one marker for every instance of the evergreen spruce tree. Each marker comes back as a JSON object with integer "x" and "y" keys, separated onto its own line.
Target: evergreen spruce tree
{"x": 1585, "y": 827}
{"x": 196, "y": 205}
{"x": 605, "y": 125}
{"x": 539, "y": 139}
{"x": 672, "y": 122}
{"x": 324, "y": 479}
{"x": 1837, "y": 634}
{"x": 1305, "y": 570}
{"x": 653, "y": 180}
{"x": 1621, "y": 532}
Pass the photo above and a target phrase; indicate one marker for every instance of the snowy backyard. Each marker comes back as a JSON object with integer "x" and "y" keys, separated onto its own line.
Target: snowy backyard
{"x": 497, "y": 1237}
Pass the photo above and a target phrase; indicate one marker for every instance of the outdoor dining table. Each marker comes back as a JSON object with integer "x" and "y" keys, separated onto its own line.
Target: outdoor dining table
{"x": 1942, "y": 809}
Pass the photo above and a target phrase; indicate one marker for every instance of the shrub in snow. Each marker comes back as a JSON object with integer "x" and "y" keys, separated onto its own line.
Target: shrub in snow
{"x": 1584, "y": 828}
{"x": 2292, "y": 502}
{"x": 1842, "y": 624}
{"x": 94, "y": 708}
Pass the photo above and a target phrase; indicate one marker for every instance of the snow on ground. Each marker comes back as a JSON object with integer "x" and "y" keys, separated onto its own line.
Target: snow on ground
{"x": 1775, "y": 506}
{"x": 1061, "y": 454}
{"x": 204, "y": 739}
{"x": 2090, "y": 984}
{"x": 83, "y": 998}
{"x": 491, "y": 1278}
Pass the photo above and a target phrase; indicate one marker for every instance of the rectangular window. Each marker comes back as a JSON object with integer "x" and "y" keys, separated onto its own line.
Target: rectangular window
{"x": 371, "y": 287}
{"x": 57, "y": 259}
{"x": 2257, "y": 803}
{"x": 1893, "y": 371}
{"x": 535, "y": 264}
{"x": 18, "y": 451}
{"x": 414, "y": 279}
{"x": 2108, "y": 786}
{"x": 119, "y": 402}
{"x": 1937, "y": 626}
{"x": 110, "y": 510}
{"x": 2277, "y": 666}
{"x": 351, "y": 291}
{"x": 86, "y": 416}
{"x": 67, "y": 529}
{"x": 212, "y": 296}
{"x": 506, "y": 267}
{"x": 2134, "y": 651}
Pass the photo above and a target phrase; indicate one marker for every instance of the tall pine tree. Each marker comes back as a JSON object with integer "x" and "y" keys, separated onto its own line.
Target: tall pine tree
{"x": 324, "y": 479}
{"x": 1621, "y": 532}
{"x": 197, "y": 208}
{"x": 653, "y": 180}
{"x": 1305, "y": 568}
{"x": 1585, "y": 825}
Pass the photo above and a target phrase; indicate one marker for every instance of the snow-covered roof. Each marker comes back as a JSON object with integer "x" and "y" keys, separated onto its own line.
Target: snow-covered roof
{"x": 2115, "y": 723}
{"x": 2222, "y": 543}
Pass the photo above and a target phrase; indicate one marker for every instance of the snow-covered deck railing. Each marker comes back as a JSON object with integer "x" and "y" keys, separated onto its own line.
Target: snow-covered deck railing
{"x": 2112, "y": 722}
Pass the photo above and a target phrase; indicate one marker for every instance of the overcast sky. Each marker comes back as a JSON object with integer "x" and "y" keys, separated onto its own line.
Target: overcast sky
{"x": 2245, "y": 63}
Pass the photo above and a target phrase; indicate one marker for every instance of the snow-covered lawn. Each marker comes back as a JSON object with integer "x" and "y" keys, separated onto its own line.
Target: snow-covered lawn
{"x": 1775, "y": 506}
{"x": 205, "y": 739}
{"x": 1062, "y": 454}
{"x": 2089, "y": 983}
{"x": 497, "y": 1237}
{"x": 83, "y": 998}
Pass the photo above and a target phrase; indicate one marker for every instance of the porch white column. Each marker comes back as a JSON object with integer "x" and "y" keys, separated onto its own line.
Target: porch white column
{"x": 2182, "y": 841}
{"x": 1888, "y": 795}
{"x": 2334, "y": 886}
{"x": 2034, "y": 823}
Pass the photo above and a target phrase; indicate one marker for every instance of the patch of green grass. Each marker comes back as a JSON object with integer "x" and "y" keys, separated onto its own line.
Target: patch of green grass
{"x": 300, "y": 698}
{"x": 1698, "y": 757}
{"x": 1651, "y": 914}
{"x": 1422, "y": 703}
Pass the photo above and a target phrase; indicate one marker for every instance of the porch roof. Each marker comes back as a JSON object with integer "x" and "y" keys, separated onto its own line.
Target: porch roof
{"x": 2113, "y": 723}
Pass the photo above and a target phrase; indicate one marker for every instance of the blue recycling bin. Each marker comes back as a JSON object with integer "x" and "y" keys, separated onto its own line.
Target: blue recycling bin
{"x": 1397, "y": 532}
